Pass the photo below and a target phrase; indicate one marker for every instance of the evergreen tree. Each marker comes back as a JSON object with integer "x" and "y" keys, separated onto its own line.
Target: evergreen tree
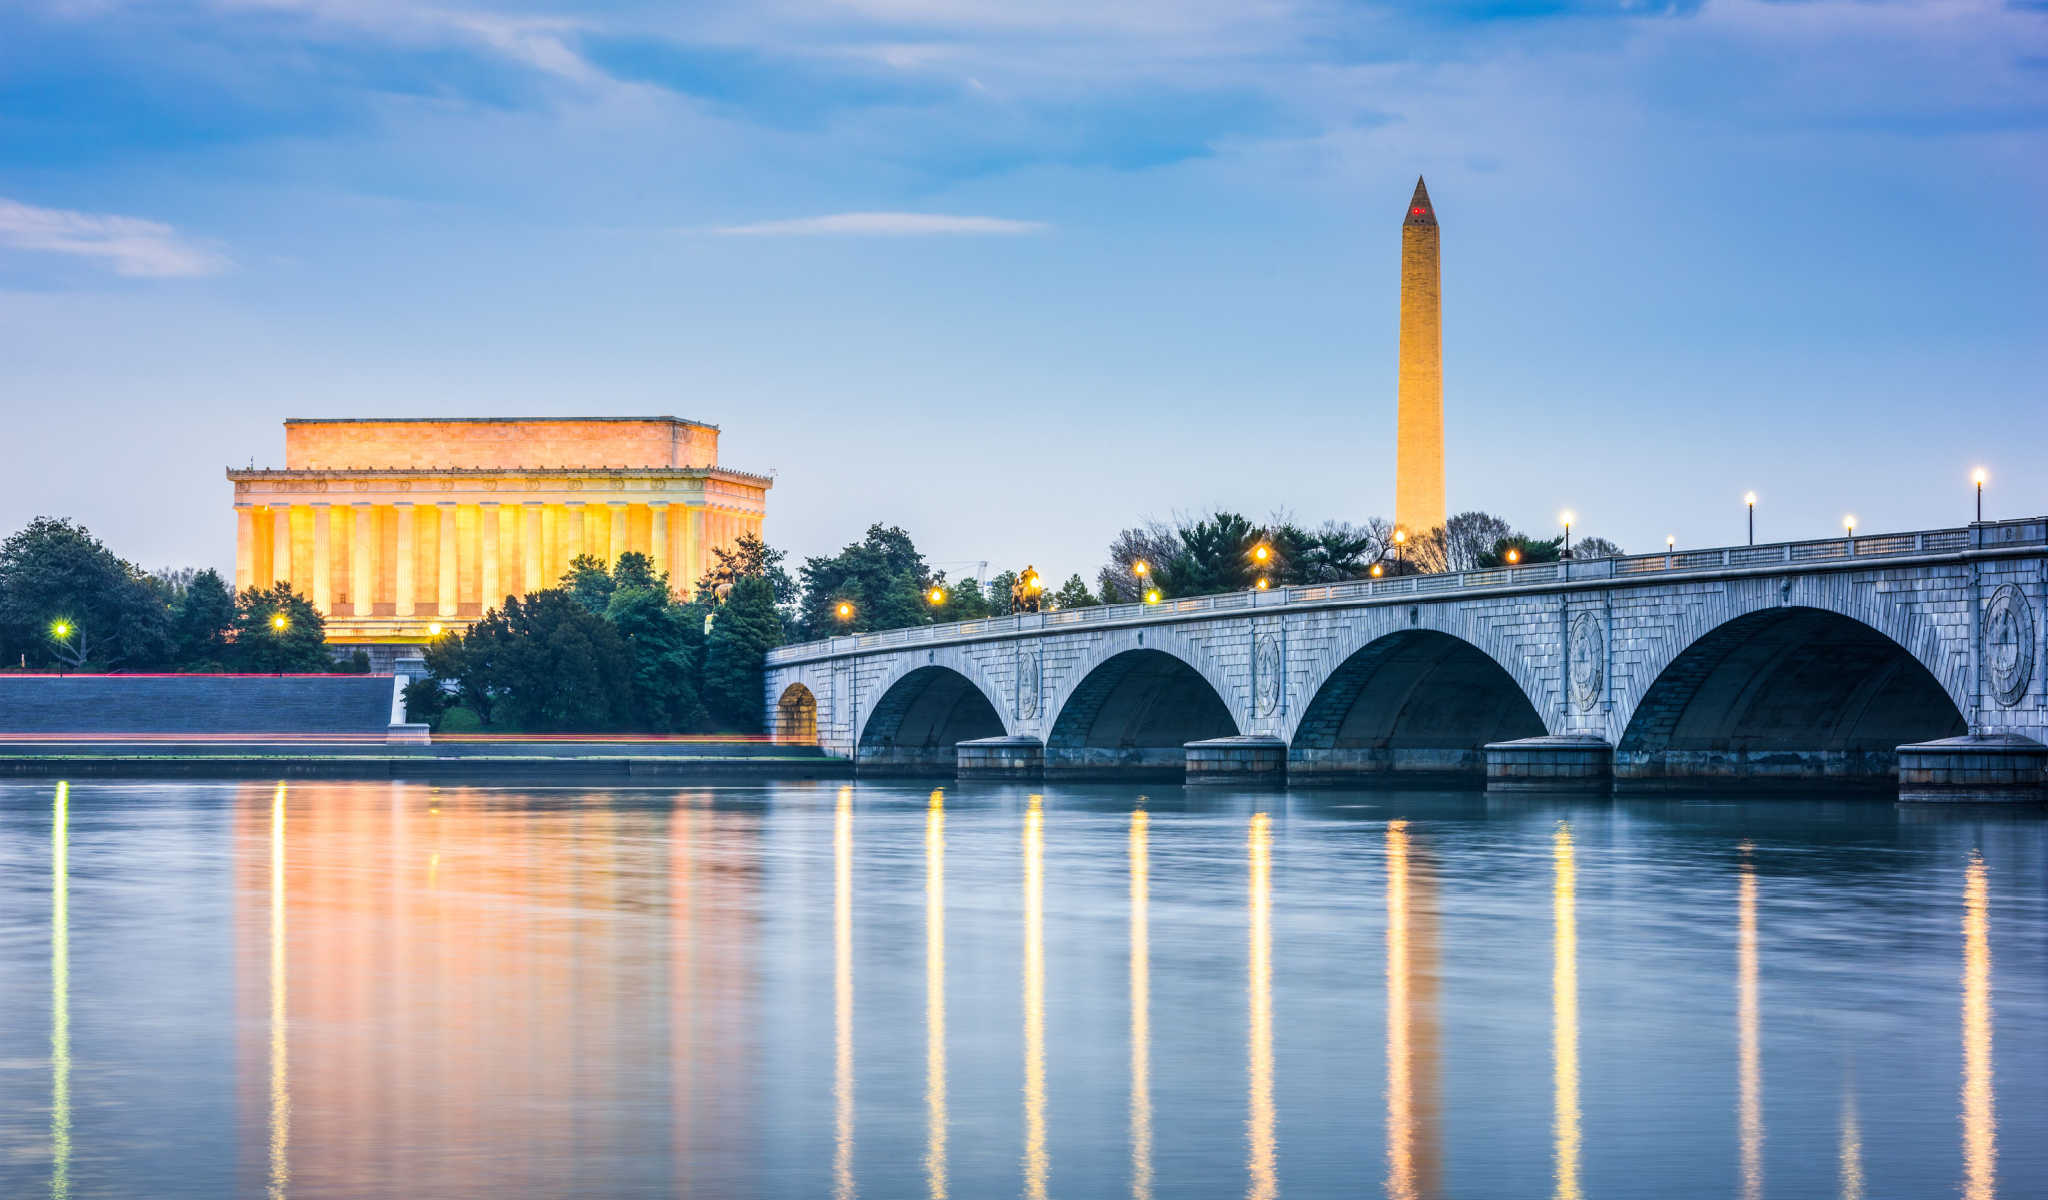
{"x": 552, "y": 664}
{"x": 882, "y": 575}
{"x": 663, "y": 647}
{"x": 202, "y": 618}
{"x": 735, "y": 655}
{"x": 588, "y": 582}
{"x": 1073, "y": 594}
{"x": 278, "y": 630}
{"x": 54, "y": 575}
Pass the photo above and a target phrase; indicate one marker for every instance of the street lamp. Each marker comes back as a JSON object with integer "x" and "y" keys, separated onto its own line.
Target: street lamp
{"x": 61, "y": 630}
{"x": 1400, "y": 558}
{"x": 1849, "y": 531}
{"x": 1978, "y": 477}
{"x": 1514, "y": 556}
{"x": 1670, "y": 544}
{"x": 935, "y": 597}
{"x": 1152, "y": 596}
{"x": 1378, "y": 570}
{"x": 1140, "y": 569}
{"x": 1750, "y": 501}
{"x": 280, "y": 622}
{"x": 1566, "y": 517}
{"x": 844, "y": 611}
{"x": 433, "y": 630}
{"x": 1264, "y": 583}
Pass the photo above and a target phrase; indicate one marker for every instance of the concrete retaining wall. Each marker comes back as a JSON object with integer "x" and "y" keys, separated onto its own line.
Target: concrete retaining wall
{"x": 103, "y": 705}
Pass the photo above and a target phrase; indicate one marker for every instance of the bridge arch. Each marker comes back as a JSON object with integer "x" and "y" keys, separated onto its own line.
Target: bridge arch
{"x": 1372, "y": 626}
{"x": 1414, "y": 702}
{"x": 912, "y": 717}
{"x": 1786, "y": 691}
{"x": 1135, "y": 703}
{"x": 796, "y": 716}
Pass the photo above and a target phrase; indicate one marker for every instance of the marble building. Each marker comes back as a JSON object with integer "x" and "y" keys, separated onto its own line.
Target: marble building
{"x": 400, "y": 528}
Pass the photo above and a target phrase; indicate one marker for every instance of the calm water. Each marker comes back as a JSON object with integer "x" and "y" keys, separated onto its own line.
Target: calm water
{"x": 798, "y": 990}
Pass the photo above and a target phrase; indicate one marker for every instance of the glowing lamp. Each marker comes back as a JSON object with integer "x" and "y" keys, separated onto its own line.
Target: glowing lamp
{"x": 1849, "y": 523}
{"x": 1264, "y": 583}
{"x": 279, "y": 622}
{"x": 1378, "y": 570}
{"x": 845, "y": 611}
{"x": 61, "y": 629}
{"x": 1514, "y": 556}
{"x": 1400, "y": 535}
{"x": 1262, "y": 552}
{"x": 434, "y": 630}
{"x": 1980, "y": 477}
{"x": 1139, "y": 567}
{"x": 1152, "y": 596}
{"x": 937, "y": 595}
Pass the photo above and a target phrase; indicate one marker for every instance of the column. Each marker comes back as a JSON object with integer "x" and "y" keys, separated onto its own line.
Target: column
{"x": 245, "y": 548}
{"x": 693, "y": 547}
{"x": 530, "y": 560}
{"x": 575, "y": 538}
{"x": 362, "y": 577}
{"x": 657, "y": 537}
{"x": 280, "y": 542}
{"x": 487, "y": 572}
{"x": 323, "y": 561}
{"x": 408, "y": 558}
{"x": 618, "y": 520}
{"x": 444, "y": 594}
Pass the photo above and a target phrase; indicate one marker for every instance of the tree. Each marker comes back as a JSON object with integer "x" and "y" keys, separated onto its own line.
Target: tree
{"x": 202, "y": 619}
{"x": 735, "y": 655}
{"x": 965, "y": 601}
{"x": 278, "y": 630}
{"x": 549, "y": 663}
{"x": 664, "y": 644}
{"x": 1332, "y": 553}
{"x": 1154, "y": 543}
{"x": 1215, "y": 555}
{"x": 1073, "y": 594}
{"x": 882, "y": 576}
{"x": 53, "y": 574}
{"x": 589, "y": 582}
{"x": 1000, "y": 588}
{"x": 1526, "y": 550}
{"x": 750, "y": 558}
{"x": 1596, "y": 547}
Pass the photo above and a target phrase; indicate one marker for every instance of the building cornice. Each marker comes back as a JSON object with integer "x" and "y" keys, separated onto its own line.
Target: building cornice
{"x": 389, "y": 474}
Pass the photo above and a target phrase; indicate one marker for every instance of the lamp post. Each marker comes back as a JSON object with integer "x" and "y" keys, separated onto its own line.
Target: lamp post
{"x": 1566, "y": 517}
{"x": 1261, "y": 555}
{"x": 844, "y": 611}
{"x": 1400, "y": 545}
{"x": 1139, "y": 570}
{"x": 1978, "y": 477}
{"x": 1749, "y": 501}
{"x": 1670, "y": 544}
{"x": 1849, "y": 531}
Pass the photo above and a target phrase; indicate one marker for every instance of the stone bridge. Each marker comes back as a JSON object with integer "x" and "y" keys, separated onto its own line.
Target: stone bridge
{"x": 1833, "y": 660}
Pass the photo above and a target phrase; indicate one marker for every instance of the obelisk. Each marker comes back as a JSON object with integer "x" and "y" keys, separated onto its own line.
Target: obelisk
{"x": 1419, "y": 437}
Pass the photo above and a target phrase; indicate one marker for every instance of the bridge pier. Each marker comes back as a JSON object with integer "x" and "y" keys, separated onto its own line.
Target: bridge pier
{"x": 1252, "y": 760}
{"x": 1994, "y": 768}
{"x": 1560, "y": 762}
{"x": 1000, "y": 758}
{"x": 1406, "y": 766}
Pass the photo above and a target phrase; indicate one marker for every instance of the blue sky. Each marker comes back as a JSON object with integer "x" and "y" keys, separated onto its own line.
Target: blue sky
{"x": 1013, "y": 276}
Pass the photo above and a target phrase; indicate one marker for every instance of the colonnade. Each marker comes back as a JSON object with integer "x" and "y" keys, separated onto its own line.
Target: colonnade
{"x": 455, "y": 559}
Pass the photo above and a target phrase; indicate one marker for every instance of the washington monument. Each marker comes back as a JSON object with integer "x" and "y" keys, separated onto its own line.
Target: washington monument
{"x": 1419, "y": 439}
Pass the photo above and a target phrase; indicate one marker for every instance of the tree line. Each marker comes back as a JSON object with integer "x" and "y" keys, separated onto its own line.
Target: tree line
{"x": 67, "y": 603}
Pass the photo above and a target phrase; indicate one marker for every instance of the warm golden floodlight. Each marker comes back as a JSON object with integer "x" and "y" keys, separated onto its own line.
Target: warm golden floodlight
{"x": 279, "y": 622}
{"x": 434, "y": 630}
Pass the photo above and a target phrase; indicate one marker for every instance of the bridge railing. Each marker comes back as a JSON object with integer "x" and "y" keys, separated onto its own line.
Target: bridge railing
{"x": 1857, "y": 547}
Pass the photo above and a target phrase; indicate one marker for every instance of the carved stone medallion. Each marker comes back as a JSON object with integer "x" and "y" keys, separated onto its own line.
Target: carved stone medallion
{"x": 1588, "y": 662}
{"x": 2008, "y": 645}
{"x": 1027, "y": 687}
{"x": 1266, "y": 674}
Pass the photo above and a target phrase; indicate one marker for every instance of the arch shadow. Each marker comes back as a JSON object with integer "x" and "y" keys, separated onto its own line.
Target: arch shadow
{"x": 796, "y": 716}
{"x": 919, "y": 719}
{"x": 1784, "y": 695}
{"x": 1133, "y": 715}
{"x": 1416, "y": 706}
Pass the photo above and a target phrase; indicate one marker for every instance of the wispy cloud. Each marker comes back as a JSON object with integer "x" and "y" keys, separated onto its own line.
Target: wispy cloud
{"x": 884, "y": 224}
{"x": 130, "y": 245}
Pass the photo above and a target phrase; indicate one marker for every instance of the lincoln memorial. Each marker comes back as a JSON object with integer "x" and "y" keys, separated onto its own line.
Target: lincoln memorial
{"x": 400, "y": 528}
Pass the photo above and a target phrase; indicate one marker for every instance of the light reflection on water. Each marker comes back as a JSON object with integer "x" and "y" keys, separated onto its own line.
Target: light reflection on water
{"x": 390, "y": 990}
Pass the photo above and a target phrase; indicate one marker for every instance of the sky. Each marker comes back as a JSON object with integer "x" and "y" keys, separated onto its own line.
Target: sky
{"x": 1014, "y": 276}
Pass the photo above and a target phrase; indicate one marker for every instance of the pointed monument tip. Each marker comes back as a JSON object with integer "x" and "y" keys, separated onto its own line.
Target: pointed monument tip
{"x": 1420, "y": 210}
